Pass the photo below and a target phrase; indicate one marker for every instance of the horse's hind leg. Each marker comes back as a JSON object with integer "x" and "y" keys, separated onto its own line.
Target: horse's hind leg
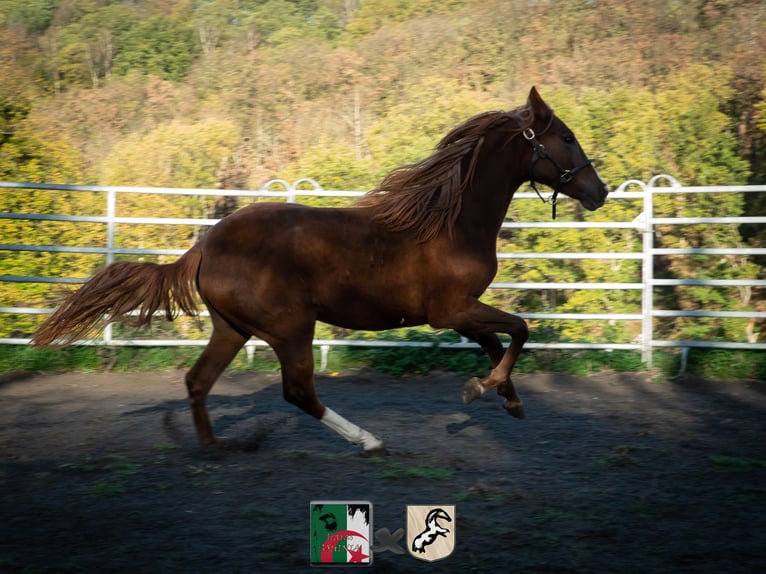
{"x": 297, "y": 360}
{"x": 224, "y": 344}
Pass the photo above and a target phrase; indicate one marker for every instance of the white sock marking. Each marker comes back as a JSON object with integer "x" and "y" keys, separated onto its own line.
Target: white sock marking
{"x": 349, "y": 431}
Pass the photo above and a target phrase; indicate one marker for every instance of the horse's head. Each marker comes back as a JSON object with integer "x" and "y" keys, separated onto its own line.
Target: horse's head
{"x": 558, "y": 161}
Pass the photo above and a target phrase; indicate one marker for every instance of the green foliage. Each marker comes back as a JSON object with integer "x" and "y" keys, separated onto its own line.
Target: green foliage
{"x": 578, "y": 362}
{"x": 714, "y": 364}
{"x": 721, "y": 364}
{"x": 32, "y": 153}
{"x": 233, "y": 93}
{"x": 121, "y": 359}
{"x": 419, "y": 66}
{"x": 22, "y": 358}
{"x": 178, "y": 153}
{"x": 400, "y": 361}
{"x": 691, "y": 107}
{"x": 159, "y": 45}
{"x": 34, "y": 15}
{"x": 373, "y": 14}
{"x": 336, "y": 163}
{"x": 277, "y": 21}
{"x": 410, "y": 130}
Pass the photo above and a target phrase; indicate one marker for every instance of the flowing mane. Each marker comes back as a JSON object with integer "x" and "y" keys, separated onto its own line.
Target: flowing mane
{"x": 424, "y": 197}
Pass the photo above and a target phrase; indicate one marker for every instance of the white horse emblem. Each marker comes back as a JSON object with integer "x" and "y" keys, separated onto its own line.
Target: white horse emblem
{"x": 428, "y": 538}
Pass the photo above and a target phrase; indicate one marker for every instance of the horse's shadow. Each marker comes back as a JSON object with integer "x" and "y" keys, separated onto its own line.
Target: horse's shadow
{"x": 241, "y": 422}
{"x": 244, "y": 421}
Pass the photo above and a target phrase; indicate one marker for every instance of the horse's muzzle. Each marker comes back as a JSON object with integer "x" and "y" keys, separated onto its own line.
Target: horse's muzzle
{"x": 593, "y": 202}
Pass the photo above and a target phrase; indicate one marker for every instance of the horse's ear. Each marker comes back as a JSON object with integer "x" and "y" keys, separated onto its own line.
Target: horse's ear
{"x": 539, "y": 108}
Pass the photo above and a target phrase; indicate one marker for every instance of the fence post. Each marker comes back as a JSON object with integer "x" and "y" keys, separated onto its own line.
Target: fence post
{"x": 647, "y": 278}
{"x": 111, "y": 211}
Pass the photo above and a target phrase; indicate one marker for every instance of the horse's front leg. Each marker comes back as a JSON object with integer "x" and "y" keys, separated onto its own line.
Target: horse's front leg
{"x": 475, "y": 387}
{"x": 481, "y": 322}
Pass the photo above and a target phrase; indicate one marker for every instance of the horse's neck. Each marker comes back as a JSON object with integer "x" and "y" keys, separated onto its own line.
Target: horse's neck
{"x": 485, "y": 204}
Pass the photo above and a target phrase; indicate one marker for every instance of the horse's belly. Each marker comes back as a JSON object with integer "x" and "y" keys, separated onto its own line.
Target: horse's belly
{"x": 369, "y": 314}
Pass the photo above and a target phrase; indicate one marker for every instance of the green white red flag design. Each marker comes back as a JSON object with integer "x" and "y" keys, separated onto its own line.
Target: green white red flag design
{"x": 341, "y": 532}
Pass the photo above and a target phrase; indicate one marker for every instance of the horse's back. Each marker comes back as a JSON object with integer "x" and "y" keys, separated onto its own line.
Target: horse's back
{"x": 338, "y": 264}
{"x": 292, "y": 230}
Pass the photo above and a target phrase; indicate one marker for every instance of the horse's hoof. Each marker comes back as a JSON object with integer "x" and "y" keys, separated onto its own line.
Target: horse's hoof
{"x": 377, "y": 451}
{"x": 514, "y": 409}
{"x": 472, "y": 390}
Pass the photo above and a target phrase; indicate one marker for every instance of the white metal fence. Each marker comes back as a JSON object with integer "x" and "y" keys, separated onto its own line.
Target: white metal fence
{"x": 644, "y": 225}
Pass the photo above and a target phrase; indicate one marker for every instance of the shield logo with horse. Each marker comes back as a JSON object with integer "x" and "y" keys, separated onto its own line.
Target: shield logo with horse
{"x": 430, "y": 531}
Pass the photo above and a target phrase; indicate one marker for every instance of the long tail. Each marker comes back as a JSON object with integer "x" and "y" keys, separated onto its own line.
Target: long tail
{"x": 117, "y": 290}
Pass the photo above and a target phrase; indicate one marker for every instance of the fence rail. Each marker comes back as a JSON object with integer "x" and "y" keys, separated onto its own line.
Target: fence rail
{"x": 644, "y": 225}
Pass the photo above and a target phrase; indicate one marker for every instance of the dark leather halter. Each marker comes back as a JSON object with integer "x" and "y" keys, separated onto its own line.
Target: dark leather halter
{"x": 565, "y": 175}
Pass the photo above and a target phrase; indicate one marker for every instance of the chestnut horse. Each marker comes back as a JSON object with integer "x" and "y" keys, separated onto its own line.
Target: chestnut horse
{"x": 418, "y": 249}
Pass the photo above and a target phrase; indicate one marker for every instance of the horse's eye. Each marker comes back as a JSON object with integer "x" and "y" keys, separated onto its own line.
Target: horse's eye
{"x": 569, "y": 138}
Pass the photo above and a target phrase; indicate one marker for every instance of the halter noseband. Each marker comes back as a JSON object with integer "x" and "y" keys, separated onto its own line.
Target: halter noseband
{"x": 565, "y": 175}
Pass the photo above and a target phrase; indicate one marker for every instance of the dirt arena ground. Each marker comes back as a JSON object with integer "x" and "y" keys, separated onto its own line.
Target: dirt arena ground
{"x": 101, "y": 472}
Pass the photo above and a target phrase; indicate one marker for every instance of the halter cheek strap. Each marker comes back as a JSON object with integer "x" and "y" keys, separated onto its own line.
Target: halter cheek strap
{"x": 565, "y": 175}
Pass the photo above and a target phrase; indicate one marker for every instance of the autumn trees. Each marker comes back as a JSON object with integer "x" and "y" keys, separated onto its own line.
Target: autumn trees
{"x": 232, "y": 93}
{"x": 301, "y": 76}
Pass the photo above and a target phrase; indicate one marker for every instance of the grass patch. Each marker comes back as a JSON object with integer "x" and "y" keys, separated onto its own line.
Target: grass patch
{"x": 727, "y": 364}
{"x": 116, "y": 467}
{"x": 204, "y": 468}
{"x": 734, "y": 463}
{"x": 163, "y": 446}
{"x": 397, "y": 361}
{"x": 25, "y": 358}
{"x": 106, "y": 488}
{"x": 115, "y": 464}
{"x": 124, "y": 468}
{"x": 83, "y": 466}
{"x": 120, "y": 359}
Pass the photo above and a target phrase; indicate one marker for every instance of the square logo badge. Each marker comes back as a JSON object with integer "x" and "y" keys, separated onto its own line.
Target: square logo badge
{"x": 430, "y": 531}
{"x": 340, "y": 533}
